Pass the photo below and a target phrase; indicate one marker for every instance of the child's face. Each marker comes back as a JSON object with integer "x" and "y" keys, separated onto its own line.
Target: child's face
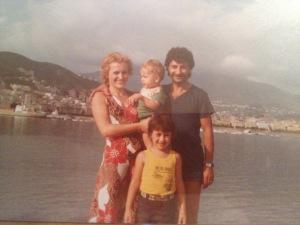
{"x": 149, "y": 79}
{"x": 161, "y": 140}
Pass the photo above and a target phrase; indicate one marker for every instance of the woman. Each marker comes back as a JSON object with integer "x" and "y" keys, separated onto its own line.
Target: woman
{"x": 118, "y": 123}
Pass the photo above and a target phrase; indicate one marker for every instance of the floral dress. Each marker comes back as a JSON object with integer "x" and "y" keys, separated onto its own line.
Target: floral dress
{"x": 115, "y": 170}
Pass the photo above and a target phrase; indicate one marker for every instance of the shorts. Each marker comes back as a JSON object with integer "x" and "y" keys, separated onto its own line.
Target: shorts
{"x": 151, "y": 211}
{"x": 192, "y": 175}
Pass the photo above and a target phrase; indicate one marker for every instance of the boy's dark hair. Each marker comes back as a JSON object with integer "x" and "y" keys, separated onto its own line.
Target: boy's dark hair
{"x": 161, "y": 122}
{"x": 180, "y": 54}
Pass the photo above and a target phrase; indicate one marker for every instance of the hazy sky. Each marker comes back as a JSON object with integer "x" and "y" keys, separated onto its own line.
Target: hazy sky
{"x": 256, "y": 39}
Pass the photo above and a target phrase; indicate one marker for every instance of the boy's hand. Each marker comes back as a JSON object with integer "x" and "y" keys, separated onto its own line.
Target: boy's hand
{"x": 133, "y": 99}
{"x": 129, "y": 216}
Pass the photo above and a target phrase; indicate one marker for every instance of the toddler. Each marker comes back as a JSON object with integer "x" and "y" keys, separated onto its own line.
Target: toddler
{"x": 151, "y": 96}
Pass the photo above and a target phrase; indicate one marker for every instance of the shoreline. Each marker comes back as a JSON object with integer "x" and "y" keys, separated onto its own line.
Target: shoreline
{"x": 80, "y": 118}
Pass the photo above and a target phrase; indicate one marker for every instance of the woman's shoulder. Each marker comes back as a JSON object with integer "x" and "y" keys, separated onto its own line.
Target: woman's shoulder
{"x": 98, "y": 97}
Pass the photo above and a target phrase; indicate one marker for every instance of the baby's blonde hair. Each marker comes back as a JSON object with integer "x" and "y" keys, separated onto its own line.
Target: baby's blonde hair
{"x": 156, "y": 67}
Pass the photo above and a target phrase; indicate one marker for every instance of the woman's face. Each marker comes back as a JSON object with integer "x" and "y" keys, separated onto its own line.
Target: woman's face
{"x": 118, "y": 75}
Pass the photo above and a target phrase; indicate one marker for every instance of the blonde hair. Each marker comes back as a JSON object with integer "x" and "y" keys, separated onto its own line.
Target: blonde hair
{"x": 156, "y": 67}
{"x": 114, "y": 57}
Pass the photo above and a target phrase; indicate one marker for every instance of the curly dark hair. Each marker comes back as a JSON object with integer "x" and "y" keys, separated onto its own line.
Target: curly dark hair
{"x": 180, "y": 54}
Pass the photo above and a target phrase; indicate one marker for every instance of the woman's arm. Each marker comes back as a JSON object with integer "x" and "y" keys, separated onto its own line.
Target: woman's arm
{"x": 101, "y": 116}
{"x": 129, "y": 216}
{"x": 180, "y": 191}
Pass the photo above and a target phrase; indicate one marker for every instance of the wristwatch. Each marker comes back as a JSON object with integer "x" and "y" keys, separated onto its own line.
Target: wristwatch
{"x": 209, "y": 164}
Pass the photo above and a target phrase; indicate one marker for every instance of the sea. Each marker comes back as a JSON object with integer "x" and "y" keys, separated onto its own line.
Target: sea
{"x": 48, "y": 169}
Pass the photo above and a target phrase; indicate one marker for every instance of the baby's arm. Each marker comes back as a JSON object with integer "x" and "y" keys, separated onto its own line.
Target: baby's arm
{"x": 149, "y": 103}
{"x": 133, "y": 99}
{"x": 129, "y": 216}
{"x": 180, "y": 191}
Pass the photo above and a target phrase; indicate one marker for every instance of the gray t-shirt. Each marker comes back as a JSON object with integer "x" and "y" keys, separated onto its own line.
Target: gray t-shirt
{"x": 186, "y": 111}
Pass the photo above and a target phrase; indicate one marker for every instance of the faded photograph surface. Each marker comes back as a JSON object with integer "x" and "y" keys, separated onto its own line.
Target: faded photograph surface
{"x": 56, "y": 131}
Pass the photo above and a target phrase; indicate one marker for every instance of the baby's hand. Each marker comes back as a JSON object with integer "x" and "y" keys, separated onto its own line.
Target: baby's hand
{"x": 133, "y": 99}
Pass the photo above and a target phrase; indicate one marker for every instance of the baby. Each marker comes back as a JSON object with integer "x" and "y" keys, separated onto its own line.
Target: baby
{"x": 151, "y": 96}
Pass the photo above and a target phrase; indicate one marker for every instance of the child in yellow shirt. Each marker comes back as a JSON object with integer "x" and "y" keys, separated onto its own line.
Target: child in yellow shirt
{"x": 157, "y": 178}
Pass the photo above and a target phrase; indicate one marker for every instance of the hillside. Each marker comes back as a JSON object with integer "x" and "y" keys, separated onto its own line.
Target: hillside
{"x": 230, "y": 89}
{"x": 18, "y": 69}
{"x": 233, "y": 89}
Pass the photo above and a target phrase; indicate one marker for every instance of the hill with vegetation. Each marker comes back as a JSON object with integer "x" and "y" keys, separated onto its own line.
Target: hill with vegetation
{"x": 18, "y": 69}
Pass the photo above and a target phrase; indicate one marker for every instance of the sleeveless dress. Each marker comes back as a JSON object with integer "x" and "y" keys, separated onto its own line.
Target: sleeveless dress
{"x": 113, "y": 177}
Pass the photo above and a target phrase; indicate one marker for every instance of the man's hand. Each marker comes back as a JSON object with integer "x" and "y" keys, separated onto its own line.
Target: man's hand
{"x": 208, "y": 176}
{"x": 181, "y": 217}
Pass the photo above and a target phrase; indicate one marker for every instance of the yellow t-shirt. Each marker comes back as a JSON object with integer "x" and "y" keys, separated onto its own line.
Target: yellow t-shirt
{"x": 158, "y": 176}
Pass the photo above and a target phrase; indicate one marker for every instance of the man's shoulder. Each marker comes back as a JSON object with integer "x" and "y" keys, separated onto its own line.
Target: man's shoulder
{"x": 197, "y": 90}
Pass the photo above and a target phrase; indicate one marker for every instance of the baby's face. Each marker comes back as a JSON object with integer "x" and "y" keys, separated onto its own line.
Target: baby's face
{"x": 149, "y": 79}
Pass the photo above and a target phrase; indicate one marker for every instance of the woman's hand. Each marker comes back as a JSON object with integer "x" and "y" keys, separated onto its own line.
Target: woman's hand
{"x": 133, "y": 99}
{"x": 129, "y": 216}
{"x": 144, "y": 125}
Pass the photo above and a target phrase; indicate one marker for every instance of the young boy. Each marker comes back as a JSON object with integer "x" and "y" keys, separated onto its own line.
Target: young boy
{"x": 151, "y": 96}
{"x": 157, "y": 177}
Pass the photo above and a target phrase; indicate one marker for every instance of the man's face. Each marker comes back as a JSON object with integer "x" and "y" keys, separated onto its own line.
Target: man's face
{"x": 179, "y": 72}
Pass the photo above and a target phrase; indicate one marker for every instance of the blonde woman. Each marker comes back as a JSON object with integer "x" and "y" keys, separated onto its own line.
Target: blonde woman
{"x": 118, "y": 122}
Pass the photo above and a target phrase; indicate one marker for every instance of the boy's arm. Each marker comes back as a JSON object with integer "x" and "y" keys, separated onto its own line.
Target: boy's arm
{"x": 129, "y": 216}
{"x": 180, "y": 191}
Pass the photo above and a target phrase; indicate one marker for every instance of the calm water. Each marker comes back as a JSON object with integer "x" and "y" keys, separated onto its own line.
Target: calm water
{"x": 48, "y": 169}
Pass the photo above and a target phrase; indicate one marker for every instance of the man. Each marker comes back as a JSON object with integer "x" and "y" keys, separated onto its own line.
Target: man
{"x": 191, "y": 109}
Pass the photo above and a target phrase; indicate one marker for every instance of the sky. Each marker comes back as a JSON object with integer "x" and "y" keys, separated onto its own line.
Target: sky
{"x": 256, "y": 39}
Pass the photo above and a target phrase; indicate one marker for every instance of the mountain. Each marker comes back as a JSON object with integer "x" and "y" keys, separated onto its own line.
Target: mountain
{"x": 231, "y": 89}
{"x": 18, "y": 69}
{"x": 91, "y": 76}
{"x": 234, "y": 89}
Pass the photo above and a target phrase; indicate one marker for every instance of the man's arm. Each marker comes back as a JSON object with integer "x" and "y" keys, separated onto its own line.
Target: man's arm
{"x": 208, "y": 142}
{"x": 180, "y": 191}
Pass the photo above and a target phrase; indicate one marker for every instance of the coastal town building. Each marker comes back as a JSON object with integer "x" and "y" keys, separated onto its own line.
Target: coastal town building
{"x": 22, "y": 98}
